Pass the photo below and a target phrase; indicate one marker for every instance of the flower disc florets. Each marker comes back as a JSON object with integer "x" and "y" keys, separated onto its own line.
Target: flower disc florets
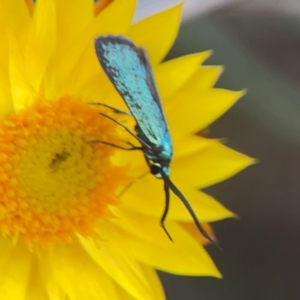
{"x": 53, "y": 182}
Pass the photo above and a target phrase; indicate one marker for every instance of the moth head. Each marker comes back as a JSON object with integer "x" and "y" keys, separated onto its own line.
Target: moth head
{"x": 157, "y": 169}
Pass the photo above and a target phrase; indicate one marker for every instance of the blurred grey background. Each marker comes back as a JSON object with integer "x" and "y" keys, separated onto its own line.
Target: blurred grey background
{"x": 258, "y": 42}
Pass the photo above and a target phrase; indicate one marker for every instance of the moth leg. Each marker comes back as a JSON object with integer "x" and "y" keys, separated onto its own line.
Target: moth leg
{"x": 147, "y": 161}
{"x": 131, "y": 183}
{"x": 115, "y": 145}
{"x": 115, "y": 110}
{"x": 132, "y": 145}
{"x": 127, "y": 129}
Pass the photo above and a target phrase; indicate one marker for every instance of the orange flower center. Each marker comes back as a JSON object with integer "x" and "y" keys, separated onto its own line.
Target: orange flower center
{"x": 53, "y": 183}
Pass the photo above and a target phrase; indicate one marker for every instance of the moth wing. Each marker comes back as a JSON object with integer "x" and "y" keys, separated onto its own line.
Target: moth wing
{"x": 129, "y": 70}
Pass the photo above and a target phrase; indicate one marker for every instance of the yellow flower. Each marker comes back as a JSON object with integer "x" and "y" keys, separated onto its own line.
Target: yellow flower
{"x": 72, "y": 227}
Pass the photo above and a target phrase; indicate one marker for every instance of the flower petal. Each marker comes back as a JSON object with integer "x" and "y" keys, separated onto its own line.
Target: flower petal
{"x": 135, "y": 160}
{"x": 72, "y": 19}
{"x": 87, "y": 70}
{"x": 36, "y": 289}
{"x": 122, "y": 294}
{"x": 40, "y": 42}
{"x": 190, "y": 144}
{"x": 198, "y": 109}
{"x": 8, "y": 12}
{"x": 115, "y": 18}
{"x": 9, "y": 24}
{"x": 153, "y": 281}
{"x": 194, "y": 232}
{"x": 212, "y": 164}
{"x": 205, "y": 77}
{"x": 146, "y": 196}
{"x": 173, "y": 74}
{"x": 160, "y": 29}
{"x": 77, "y": 275}
{"x": 22, "y": 92}
{"x": 47, "y": 276}
{"x": 7, "y": 247}
{"x": 15, "y": 271}
{"x": 68, "y": 52}
{"x": 121, "y": 267}
{"x": 6, "y": 103}
{"x": 144, "y": 238}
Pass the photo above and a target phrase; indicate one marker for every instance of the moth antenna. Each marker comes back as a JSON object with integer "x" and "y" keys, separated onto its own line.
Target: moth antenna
{"x": 167, "y": 205}
{"x": 177, "y": 192}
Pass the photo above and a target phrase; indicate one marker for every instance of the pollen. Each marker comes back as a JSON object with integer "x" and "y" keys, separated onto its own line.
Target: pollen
{"x": 54, "y": 183}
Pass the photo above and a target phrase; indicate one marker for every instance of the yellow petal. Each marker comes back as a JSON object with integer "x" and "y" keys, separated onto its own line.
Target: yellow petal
{"x": 14, "y": 15}
{"x": 205, "y": 77}
{"x": 7, "y": 248}
{"x": 8, "y": 22}
{"x": 86, "y": 73}
{"x": 135, "y": 160}
{"x": 40, "y": 42}
{"x": 115, "y": 18}
{"x": 76, "y": 273}
{"x": 100, "y": 89}
{"x": 47, "y": 276}
{"x": 15, "y": 272}
{"x": 122, "y": 294}
{"x": 190, "y": 144}
{"x": 198, "y": 109}
{"x": 173, "y": 74}
{"x": 73, "y": 52}
{"x": 211, "y": 165}
{"x": 153, "y": 282}
{"x": 101, "y": 5}
{"x": 36, "y": 289}
{"x": 121, "y": 267}
{"x": 21, "y": 91}
{"x": 149, "y": 244}
{"x": 65, "y": 67}
{"x": 146, "y": 196}
{"x": 6, "y": 103}
{"x": 206, "y": 207}
{"x": 87, "y": 67}
{"x": 194, "y": 232}
{"x": 160, "y": 29}
{"x": 71, "y": 27}
{"x": 72, "y": 19}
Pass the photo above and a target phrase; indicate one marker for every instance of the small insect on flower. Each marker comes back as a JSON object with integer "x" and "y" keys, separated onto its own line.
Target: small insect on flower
{"x": 128, "y": 68}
